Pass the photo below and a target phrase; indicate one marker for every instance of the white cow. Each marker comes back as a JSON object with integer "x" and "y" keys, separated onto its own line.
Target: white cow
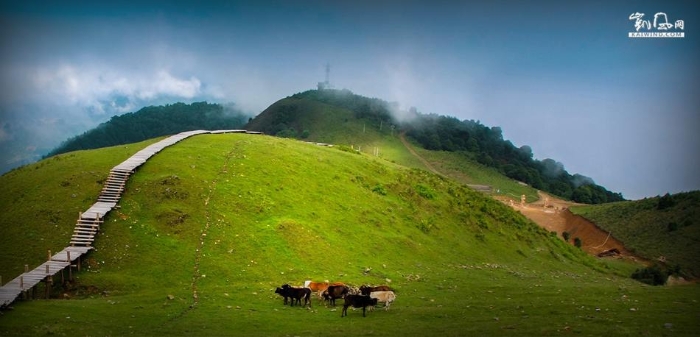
{"x": 385, "y": 297}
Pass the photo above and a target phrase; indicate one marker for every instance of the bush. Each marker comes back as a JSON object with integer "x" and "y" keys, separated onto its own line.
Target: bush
{"x": 665, "y": 202}
{"x": 672, "y": 226}
{"x": 654, "y": 275}
{"x": 577, "y": 242}
{"x": 566, "y": 236}
{"x": 379, "y": 189}
{"x": 425, "y": 192}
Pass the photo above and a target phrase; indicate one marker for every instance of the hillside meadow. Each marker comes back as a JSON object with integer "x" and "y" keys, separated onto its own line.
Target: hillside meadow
{"x": 210, "y": 226}
{"x": 665, "y": 229}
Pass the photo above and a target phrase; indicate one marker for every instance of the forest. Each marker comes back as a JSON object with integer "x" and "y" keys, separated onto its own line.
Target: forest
{"x": 155, "y": 121}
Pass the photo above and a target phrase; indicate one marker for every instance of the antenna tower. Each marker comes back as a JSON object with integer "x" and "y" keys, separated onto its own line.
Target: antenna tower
{"x": 327, "y": 84}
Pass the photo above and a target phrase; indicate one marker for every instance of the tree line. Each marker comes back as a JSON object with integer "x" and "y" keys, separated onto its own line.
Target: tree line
{"x": 481, "y": 143}
{"x": 155, "y": 121}
{"x": 487, "y": 146}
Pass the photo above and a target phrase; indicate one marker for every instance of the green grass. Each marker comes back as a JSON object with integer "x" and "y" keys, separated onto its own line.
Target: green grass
{"x": 461, "y": 168}
{"x": 234, "y": 216}
{"x": 40, "y": 203}
{"x": 650, "y": 232}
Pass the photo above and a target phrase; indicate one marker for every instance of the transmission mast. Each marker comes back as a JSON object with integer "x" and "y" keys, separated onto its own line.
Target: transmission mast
{"x": 327, "y": 83}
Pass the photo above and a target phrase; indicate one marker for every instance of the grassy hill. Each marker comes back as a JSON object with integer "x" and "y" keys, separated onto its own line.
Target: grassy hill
{"x": 364, "y": 124}
{"x": 662, "y": 229}
{"x": 210, "y": 226}
{"x": 155, "y": 121}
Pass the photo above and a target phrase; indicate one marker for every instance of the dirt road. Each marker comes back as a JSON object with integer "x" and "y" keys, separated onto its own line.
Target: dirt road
{"x": 556, "y": 217}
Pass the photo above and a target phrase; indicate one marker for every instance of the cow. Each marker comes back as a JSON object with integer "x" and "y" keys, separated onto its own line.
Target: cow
{"x": 386, "y": 297}
{"x": 320, "y": 287}
{"x": 282, "y": 293}
{"x": 357, "y": 301}
{"x": 366, "y": 290}
{"x": 334, "y": 292}
{"x": 352, "y": 290}
{"x": 296, "y": 294}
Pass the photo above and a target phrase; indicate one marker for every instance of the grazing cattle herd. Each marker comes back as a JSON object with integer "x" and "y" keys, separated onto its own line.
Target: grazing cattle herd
{"x": 363, "y": 297}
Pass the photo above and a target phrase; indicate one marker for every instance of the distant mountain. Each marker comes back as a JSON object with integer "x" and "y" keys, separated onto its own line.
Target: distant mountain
{"x": 155, "y": 121}
{"x": 337, "y": 115}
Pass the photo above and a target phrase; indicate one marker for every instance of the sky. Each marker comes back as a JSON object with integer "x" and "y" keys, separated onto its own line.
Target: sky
{"x": 563, "y": 77}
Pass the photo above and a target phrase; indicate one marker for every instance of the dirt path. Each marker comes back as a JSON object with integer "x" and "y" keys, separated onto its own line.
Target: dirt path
{"x": 556, "y": 217}
{"x": 413, "y": 152}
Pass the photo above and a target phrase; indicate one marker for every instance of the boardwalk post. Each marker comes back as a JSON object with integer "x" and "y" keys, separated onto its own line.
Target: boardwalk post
{"x": 70, "y": 267}
{"x": 49, "y": 258}
{"x": 21, "y": 286}
{"x": 26, "y": 268}
{"x": 46, "y": 290}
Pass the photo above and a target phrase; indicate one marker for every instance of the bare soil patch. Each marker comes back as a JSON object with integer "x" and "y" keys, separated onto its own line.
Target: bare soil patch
{"x": 553, "y": 215}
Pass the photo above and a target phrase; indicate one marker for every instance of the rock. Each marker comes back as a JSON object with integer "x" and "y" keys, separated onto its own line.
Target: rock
{"x": 171, "y": 297}
{"x": 668, "y": 325}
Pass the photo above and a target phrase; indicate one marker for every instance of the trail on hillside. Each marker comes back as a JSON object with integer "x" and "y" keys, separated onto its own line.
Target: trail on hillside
{"x": 553, "y": 215}
{"x": 414, "y": 153}
{"x": 196, "y": 273}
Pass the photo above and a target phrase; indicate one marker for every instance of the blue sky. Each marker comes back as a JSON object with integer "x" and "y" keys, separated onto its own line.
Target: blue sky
{"x": 560, "y": 76}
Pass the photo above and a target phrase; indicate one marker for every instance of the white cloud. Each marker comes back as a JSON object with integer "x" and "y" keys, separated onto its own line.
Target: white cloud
{"x": 95, "y": 87}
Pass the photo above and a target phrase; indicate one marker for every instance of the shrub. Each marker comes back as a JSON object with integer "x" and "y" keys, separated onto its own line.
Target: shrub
{"x": 425, "y": 192}
{"x": 665, "y": 202}
{"x": 379, "y": 189}
{"x": 577, "y": 242}
{"x": 566, "y": 236}
{"x": 653, "y": 275}
{"x": 672, "y": 226}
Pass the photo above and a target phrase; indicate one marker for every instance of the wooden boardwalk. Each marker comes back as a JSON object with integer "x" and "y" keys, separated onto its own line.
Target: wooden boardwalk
{"x": 89, "y": 222}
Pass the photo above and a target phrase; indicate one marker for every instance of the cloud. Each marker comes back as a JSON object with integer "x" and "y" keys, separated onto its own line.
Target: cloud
{"x": 48, "y": 103}
{"x": 99, "y": 88}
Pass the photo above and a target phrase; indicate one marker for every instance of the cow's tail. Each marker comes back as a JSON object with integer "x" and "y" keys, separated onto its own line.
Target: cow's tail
{"x": 307, "y": 296}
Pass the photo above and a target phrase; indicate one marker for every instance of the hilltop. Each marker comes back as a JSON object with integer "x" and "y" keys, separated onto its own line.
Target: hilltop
{"x": 341, "y": 117}
{"x": 155, "y": 121}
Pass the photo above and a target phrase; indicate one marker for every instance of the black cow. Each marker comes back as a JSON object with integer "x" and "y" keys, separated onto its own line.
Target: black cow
{"x": 282, "y": 293}
{"x": 357, "y": 301}
{"x": 296, "y": 294}
{"x": 334, "y": 292}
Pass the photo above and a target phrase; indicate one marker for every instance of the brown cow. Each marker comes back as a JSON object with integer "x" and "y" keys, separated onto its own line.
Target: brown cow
{"x": 366, "y": 290}
{"x": 334, "y": 292}
{"x": 320, "y": 287}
